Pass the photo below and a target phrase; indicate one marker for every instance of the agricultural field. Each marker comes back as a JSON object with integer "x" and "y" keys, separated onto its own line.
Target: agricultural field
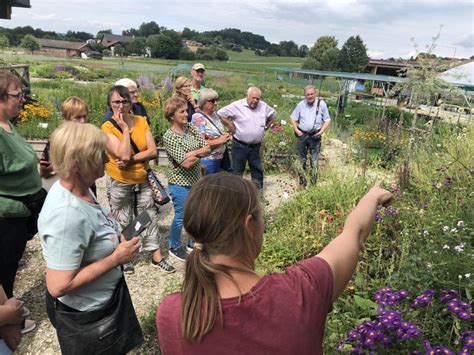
{"x": 413, "y": 288}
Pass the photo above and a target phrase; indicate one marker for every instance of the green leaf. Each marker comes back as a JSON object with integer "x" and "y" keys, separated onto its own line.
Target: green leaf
{"x": 359, "y": 280}
{"x": 364, "y": 303}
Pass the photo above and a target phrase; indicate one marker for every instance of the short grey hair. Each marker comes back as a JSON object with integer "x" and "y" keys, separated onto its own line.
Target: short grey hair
{"x": 252, "y": 89}
{"x": 126, "y": 82}
{"x": 206, "y": 95}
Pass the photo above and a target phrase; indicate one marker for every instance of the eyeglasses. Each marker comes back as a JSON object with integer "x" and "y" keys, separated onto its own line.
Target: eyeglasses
{"x": 18, "y": 96}
{"x": 118, "y": 102}
{"x": 213, "y": 101}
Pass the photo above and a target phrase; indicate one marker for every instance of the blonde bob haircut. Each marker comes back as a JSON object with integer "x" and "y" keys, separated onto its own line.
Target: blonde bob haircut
{"x": 74, "y": 106}
{"x": 178, "y": 85}
{"x": 172, "y": 105}
{"x": 77, "y": 148}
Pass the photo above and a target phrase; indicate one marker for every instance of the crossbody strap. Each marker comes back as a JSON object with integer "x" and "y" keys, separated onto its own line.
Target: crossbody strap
{"x": 132, "y": 143}
{"x": 210, "y": 121}
{"x": 317, "y": 111}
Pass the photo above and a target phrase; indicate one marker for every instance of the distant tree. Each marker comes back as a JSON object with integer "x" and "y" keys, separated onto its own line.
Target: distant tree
{"x": 135, "y": 47}
{"x": 221, "y": 55}
{"x": 148, "y": 29}
{"x": 272, "y": 50}
{"x": 31, "y": 43}
{"x": 97, "y": 46}
{"x": 186, "y": 54}
{"x": 330, "y": 59}
{"x": 288, "y": 49}
{"x": 132, "y": 32}
{"x": 258, "y": 52}
{"x": 165, "y": 46}
{"x": 189, "y": 34}
{"x": 424, "y": 55}
{"x": 303, "y": 51}
{"x": 317, "y": 51}
{"x": 119, "y": 50}
{"x": 78, "y": 36}
{"x": 4, "y": 42}
{"x": 353, "y": 55}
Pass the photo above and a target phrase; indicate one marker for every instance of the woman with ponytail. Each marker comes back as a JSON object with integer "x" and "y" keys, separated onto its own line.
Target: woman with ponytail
{"x": 225, "y": 307}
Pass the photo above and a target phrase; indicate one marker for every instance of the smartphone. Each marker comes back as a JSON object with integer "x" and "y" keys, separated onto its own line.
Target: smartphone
{"x": 137, "y": 226}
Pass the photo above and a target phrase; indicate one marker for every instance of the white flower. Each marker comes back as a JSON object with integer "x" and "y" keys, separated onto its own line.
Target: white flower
{"x": 429, "y": 266}
{"x": 285, "y": 195}
{"x": 425, "y": 233}
{"x": 283, "y": 122}
{"x": 445, "y": 229}
{"x": 467, "y": 276}
{"x": 460, "y": 248}
{"x": 454, "y": 230}
{"x": 445, "y": 246}
{"x": 438, "y": 145}
{"x": 275, "y": 105}
{"x": 282, "y": 144}
{"x": 460, "y": 224}
{"x": 459, "y": 277}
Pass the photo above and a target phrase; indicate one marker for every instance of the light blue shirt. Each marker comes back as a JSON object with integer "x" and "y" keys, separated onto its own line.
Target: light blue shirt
{"x": 73, "y": 234}
{"x": 307, "y": 117}
{"x": 249, "y": 123}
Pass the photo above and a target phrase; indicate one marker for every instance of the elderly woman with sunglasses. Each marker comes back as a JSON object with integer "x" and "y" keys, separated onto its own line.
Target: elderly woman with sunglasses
{"x": 127, "y": 186}
{"x": 211, "y": 129}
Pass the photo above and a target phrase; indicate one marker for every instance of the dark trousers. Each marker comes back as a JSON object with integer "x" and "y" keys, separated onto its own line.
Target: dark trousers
{"x": 14, "y": 234}
{"x": 311, "y": 144}
{"x": 241, "y": 153}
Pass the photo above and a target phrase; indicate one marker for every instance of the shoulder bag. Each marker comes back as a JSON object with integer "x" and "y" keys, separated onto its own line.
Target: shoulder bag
{"x": 112, "y": 330}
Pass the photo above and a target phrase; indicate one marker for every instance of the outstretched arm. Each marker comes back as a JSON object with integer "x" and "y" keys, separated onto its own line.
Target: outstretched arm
{"x": 342, "y": 253}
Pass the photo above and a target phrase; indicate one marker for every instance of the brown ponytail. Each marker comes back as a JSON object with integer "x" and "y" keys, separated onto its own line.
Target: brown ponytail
{"x": 214, "y": 216}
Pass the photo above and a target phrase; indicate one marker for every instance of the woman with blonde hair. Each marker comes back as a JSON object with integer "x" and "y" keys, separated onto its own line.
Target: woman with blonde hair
{"x": 182, "y": 88}
{"x": 225, "y": 306}
{"x": 81, "y": 241}
{"x": 185, "y": 148}
{"x": 73, "y": 109}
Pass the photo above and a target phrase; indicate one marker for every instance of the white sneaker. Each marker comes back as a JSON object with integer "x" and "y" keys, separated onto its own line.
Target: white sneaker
{"x": 28, "y": 326}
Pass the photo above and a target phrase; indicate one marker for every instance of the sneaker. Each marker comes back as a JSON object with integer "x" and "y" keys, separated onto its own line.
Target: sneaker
{"x": 189, "y": 248}
{"x": 28, "y": 326}
{"x": 128, "y": 268}
{"x": 26, "y": 312}
{"x": 178, "y": 253}
{"x": 163, "y": 265}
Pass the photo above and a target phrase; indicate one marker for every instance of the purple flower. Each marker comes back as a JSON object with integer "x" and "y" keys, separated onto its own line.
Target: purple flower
{"x": 378, "y": 217}
{"x": 391, "y": 211}
{"x": 423, "y": 300}
{"x": 448, "y": 181}
{"x": 460, "y": 309}
{"x": 59, "y": 68}
{"x": 442, "y": 168}
{"x": 145, "y": 82}
{"x": 448, "y": 295}
{"x": 167, "y": 83}
{"x": 386, "y": 297}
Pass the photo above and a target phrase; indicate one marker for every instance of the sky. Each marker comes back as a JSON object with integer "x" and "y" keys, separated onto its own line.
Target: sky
{"x": 388, "y": 28}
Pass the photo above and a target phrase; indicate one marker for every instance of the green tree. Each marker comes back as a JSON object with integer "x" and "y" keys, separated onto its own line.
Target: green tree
{"x": 165, "y": 46}
{"x": 4, "y": 42}
{"x": 353, "y": 55}
{"x": 221, "y": 55}
{"x": 135, "y": 47}
{"x": 30, "y": 42}
{"x": 330, "y": 59}
{"x": 148, "y": 29}
{"x": 317, "y": 51}
{"x": 119, "y": 50}
{"x": 303, "y": 51}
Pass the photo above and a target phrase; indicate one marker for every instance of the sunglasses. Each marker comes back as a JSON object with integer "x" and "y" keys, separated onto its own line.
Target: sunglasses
{"x": 213, "y": 101}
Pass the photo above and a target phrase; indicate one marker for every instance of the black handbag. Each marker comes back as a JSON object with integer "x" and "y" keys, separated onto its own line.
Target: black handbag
{"x": 112, "y": 330}
{"x": 226, "y": 163}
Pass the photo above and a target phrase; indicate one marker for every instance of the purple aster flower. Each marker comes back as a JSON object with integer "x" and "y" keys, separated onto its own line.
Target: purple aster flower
{"x": 391, "y": 211}
{"x": 448, "y": 181}
{"x": 423, "y": 300}
{"x": 448, "y": 295}
{"x": 378, "y": 217}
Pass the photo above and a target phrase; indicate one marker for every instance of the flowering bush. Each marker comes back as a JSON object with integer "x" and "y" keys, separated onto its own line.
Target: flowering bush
{"x": 34, "y": 111}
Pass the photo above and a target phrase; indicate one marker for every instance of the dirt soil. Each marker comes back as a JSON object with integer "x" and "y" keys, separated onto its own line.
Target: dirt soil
{"x": 148, "y": 283}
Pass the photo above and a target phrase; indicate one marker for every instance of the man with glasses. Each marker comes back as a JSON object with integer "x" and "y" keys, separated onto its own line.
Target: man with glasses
{"x": 248, "y": 119}
{"x": 197, "y": 83}
{"x": 310, "y": 119}
{"x": 137, "y": 107}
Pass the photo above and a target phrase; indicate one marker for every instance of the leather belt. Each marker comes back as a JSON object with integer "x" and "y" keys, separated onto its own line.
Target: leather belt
{"x": 250, "y": 145}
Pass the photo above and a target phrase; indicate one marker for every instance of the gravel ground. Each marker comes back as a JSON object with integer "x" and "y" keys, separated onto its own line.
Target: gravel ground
{"x": 146, "y": 284}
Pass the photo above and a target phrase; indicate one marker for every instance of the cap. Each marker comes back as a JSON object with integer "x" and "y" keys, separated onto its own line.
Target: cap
{"x": 198, "y": 66}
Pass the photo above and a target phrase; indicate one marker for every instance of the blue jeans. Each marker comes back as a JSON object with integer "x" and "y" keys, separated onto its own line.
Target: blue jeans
{"x": 241, "y": 154}
{"x": 311, "y": 144}
{"x": 179, "y": 194}
{"x": 212, "y": 165}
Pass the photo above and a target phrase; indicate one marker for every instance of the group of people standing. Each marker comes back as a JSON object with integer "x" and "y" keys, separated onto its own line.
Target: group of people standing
{"x": 86, "y": 254}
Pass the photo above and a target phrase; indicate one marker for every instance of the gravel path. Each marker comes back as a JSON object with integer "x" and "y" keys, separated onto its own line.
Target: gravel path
{"x": 146, "y": 285}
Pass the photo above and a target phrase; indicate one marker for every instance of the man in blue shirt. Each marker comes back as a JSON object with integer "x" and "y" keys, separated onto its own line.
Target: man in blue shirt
{"x": 310, "y": 119}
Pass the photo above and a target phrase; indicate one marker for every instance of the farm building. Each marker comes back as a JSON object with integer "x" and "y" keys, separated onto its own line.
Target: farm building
{"x": 63, "y": 48}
